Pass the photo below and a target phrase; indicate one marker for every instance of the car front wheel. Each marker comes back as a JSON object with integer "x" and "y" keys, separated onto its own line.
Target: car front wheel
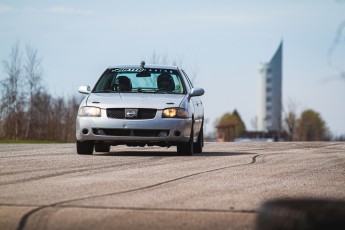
{"x": 85, "y": 148}
{"x": 186, "y": 148}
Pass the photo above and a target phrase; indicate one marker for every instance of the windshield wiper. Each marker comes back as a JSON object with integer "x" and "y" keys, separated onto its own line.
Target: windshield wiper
{"x": 146, "y": 91}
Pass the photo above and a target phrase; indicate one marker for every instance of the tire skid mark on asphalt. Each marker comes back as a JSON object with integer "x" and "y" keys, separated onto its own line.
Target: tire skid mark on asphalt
{"x": 19, "y": 205}
{"x": 78, "y": 170}
{"x": 22, "y": 171}
{"x": 307, "y": 145}
{"x": 159, "y": 209}
{"x": 296, "y": 145}
{"x": 36, "y": 155}
{"x": 58, "y": 153}
{"x": 318, "y": 167}
{"x": 45, "y": 169}
{"x": 133, "y": 208}
{"x": 50, "y": 212}
{"x": 18, "y": 147}
{"x": 26, "y": 216}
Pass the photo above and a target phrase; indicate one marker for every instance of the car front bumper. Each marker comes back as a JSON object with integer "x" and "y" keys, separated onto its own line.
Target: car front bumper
{"x": 158, "y": 129}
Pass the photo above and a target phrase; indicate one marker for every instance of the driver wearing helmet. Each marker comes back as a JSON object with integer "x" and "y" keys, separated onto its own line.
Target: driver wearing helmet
{"x": 123, "y": 84}
{"x": 165, "y": 82}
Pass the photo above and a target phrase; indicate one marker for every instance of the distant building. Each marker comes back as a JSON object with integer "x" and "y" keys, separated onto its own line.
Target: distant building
{"x": 270, "y": 94}
{"x": 230, "y": 126}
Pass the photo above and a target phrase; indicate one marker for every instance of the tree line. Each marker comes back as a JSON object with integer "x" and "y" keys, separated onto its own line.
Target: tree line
{"x": 308, "y": 126}
{"x": 27, "y": 110}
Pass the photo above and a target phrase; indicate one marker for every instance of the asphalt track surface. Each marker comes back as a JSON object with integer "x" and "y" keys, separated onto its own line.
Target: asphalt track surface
{"x": 49, "y": 186}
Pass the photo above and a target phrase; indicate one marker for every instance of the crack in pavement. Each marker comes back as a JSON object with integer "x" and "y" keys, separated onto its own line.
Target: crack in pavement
{"x": 24, "y": 219}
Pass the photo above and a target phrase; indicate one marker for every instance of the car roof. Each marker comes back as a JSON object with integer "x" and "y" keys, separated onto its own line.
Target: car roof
{"x": 146, "y": 66}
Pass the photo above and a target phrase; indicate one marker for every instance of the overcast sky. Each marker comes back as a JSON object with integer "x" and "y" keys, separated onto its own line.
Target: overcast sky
{"x": 222, "y": 42}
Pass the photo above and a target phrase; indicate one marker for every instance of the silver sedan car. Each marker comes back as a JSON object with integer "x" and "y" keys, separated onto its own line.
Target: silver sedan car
{"x": 141, "y": 105}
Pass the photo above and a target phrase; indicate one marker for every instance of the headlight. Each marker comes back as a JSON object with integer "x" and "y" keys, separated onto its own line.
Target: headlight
{"x": 89, "y": 112}
{"x": 175, "y": 113}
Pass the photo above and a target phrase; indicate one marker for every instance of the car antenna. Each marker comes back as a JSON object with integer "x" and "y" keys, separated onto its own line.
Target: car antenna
{"x": 142, "y": 64}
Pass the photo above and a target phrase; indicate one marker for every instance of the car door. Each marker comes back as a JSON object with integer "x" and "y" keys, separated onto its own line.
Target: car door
{"x": 198, "y": 108}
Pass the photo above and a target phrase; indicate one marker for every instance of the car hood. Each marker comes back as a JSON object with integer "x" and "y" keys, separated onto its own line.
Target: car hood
{"x": 134, "y": 100}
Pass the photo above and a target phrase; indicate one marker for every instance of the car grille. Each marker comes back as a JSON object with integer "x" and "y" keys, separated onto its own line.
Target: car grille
{"x": 116, "y": 113}
{"x": 132, "y": 132}
{"x": 119, "y": 113}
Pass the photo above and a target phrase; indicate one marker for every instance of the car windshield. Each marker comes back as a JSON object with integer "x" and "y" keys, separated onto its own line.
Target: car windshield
{"x": 148, "y": 80}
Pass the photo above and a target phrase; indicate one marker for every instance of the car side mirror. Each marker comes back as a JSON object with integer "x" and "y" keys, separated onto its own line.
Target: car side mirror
{"x": 84, "y": 89}
{"x": 195, "y": 92}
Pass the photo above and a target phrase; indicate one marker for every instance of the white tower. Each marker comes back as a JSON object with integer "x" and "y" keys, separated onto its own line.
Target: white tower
{"x": 270, "y": 104}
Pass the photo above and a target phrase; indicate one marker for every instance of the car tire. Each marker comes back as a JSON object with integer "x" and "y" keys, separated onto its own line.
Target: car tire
{"x": 102, "y": 148}
{"x": 85, "y": 147}
{"x": 187, "y": 148}
{"x": 200, "y": 143}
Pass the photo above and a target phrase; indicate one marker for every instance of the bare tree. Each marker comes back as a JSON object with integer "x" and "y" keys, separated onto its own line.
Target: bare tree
{"x": 290, "y": 119}
{"x": 33, "y": 75}
{"x": 72, "y": 105}
{"x": 178, "y": 61}
{"x": 163, "y": 59}
{"x": 194, "y": 73}
{"x": 159, "y": 59}
{"x": 13, "y": 99}
{"x": 39, "y": 116}
{"x": 153, "y": 59}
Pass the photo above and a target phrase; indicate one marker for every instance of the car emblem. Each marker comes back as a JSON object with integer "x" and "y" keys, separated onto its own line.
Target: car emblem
{"x": 131, "y": 113}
